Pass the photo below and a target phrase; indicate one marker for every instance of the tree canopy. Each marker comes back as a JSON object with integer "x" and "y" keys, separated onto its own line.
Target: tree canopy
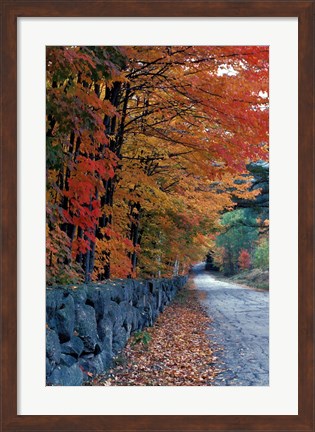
{"x": 146, "y": 147}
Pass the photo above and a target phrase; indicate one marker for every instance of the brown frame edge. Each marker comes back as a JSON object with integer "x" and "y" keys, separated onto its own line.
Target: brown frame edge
{"x": 11, "y": 10}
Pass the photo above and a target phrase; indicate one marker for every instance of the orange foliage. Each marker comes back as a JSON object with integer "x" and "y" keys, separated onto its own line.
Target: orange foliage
{"x": 146, "y": 146}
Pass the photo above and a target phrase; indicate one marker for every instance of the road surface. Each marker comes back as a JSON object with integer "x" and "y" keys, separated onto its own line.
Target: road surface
{"x": 239, "y": 331}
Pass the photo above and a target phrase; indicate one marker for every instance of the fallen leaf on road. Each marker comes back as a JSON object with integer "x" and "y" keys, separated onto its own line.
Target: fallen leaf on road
{"x": 178, "y": 352}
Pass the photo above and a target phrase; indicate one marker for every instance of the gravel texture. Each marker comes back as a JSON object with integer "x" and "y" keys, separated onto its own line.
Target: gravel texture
{"x": 239, "y": 330}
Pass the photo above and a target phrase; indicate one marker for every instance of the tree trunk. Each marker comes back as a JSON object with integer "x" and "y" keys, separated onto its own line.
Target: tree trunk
{"x": 87, "y": 267}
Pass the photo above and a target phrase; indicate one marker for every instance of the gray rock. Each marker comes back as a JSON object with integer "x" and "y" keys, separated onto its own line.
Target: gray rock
{"x": 107, "y": 359}
{"x": 98, "y": 297}
{"x": 49, "y": 367}
{"x": 86, "y": 327}
{"x": 113, "y": 313}
{"x": 95, "y": 321}
{"x": 65, "y": 317}
{"x": 73, "y": 347}
{"x": 135, "y": 298}
{"x": 105, "y": 331}
{"x": 67, "y": 360}
{"x": 128, "y": 287}
{"x": 117, "y": 294}
{"x": 54, "y": 297}
{"x": 147, "y": 315}
{"x": 66, "y": 376}
{"x": 92, "y": 365}
{"x": 119, "y": 338}
{"x": 126, "y": 311}
{"x": 153, "y": 286}
{"x": 53, "y": 350}
{"x": 80, "y": 294}
{"x": 136, "y": 320}
{"x": 142, "y": 293}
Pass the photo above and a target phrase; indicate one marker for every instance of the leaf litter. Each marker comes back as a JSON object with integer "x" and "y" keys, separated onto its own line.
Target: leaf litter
{"x": 174, "y": 352}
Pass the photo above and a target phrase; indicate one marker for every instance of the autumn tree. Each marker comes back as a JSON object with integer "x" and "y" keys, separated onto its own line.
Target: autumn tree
{"x": 144, "y": 147}
{"x": 81, "y": 86}
{"x": 244, "y": 260}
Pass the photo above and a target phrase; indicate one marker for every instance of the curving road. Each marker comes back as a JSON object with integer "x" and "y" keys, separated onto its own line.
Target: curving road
{"x": 239, "y": 331}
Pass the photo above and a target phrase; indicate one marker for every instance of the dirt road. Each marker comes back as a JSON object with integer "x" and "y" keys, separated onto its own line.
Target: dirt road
{"x": 239, "y": 329}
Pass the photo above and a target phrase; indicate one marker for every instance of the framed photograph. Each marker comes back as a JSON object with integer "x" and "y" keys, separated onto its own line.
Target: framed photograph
{"x": 43, "y": 46}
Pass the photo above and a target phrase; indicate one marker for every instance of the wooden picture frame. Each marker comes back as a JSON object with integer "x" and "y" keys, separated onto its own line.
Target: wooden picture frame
{"x": 11, "y": 10}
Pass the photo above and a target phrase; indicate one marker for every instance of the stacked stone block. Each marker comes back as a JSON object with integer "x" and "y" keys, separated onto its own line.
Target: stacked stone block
{"x": 89, "y": 325}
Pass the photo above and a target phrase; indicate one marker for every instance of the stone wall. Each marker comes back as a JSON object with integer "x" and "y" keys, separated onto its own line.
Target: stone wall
{"x": 88, "y": 325}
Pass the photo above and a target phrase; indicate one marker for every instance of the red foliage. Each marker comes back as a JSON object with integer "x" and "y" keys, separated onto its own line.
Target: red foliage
{"x": 139, "y": 139}
{"x": 244, "y": 260}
